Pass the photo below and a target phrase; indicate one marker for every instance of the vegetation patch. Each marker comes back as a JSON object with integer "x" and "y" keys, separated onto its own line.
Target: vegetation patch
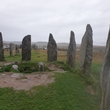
{"x": 28, "y": 67}
{"x": 6, "y": 68}
{"x": 23, "y": 67}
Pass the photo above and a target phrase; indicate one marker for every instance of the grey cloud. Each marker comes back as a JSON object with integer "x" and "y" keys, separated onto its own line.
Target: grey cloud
{"x": 59, "y": 17}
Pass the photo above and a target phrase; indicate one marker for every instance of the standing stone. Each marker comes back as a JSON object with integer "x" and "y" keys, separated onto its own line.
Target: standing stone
{"x": 85, "y": 56}
{"x": 1, "y": 48}
{"x": 16, "y": 50}
{"x": 11, "y": 49}
{"x": 105, "y": 77}
{"x": 71, "y": 52}
{"x": 26, "y": 48}
{"x": 51, "y": 49}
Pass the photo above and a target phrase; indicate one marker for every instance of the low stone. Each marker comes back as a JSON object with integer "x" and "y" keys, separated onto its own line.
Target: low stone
{"x": 24, "y": 80}
{"x": 15, "y": 67}
{"x": 15, "y": 75}
{"x": 41, "y": 66}
{"x": 3, "y": 74}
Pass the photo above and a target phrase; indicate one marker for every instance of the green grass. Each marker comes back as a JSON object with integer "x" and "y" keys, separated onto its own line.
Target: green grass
{"x": 95, "y": 72}
{"x": 37, "y": 56}
{"x": 68, "y": 92}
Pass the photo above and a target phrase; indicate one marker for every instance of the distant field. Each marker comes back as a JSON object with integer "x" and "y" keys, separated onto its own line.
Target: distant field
{"x": 41, "y": 55}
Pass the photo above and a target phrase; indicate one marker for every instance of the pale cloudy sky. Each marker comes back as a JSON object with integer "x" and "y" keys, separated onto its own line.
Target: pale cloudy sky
{"x": 38, "y": 18}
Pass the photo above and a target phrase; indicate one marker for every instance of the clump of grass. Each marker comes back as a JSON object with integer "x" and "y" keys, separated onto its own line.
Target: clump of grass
{"x": 67, "y": 67}
{"x": 28, "y": 67}
{"x": 23, "y": 67}
{"x": 87, "y": 78}
{"x": 63, "y": 65}
{"x": 6, "y": 68}
{"x": 14, "y": 70}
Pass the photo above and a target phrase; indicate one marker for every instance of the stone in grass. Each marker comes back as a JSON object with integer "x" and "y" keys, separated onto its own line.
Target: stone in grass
{"x": 11, "y": 49}
{"x": 86, "y": 49}
{"x": 15, "y": 67}
{"x": 26, "y": 48}
{"x": 71, "y": 52}
{"x": 2, "y": 58}
{"x": 51, "y": 49}
{"x": 16, "y": 50}
{"x": 15, "y": 75}
{"x": 105, "y": 77}
{"x": 40, "y": 66}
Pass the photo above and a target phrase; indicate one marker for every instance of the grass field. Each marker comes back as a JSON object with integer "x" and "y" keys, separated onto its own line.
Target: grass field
{"x": 68, "y": 92}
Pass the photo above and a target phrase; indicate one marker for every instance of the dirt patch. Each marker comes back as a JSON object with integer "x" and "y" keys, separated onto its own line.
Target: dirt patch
{"x": 90, "y": 90}
{"x": 25, "y": 82}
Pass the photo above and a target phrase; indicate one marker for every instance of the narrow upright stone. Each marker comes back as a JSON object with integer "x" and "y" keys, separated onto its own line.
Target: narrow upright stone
{"x": 105, "y": 77}
{"x": 11, "y": 49}
{"x": 71, "y": 52}
{"x": 86, "y": 49}
{"x": 26, "y": 48}
{"x": 16, "y": 50}
{"x": 1, "y": 48}
{"x": 51, "y": 49}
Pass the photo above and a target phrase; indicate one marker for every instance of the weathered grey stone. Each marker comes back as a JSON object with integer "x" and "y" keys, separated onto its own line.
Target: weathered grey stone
{"x": 15, "y": 67}
{"x": 41, "y": 66}
{"x": 86, "y": 49}
{"x": 51, "y": 49}
{"x": 16, "y": 50}
{"x": 11, "y": 49}
{"x": 71, "y": 52}
{"x": 26, "y": 48}
{"x": 105, "y": 77}
{"x": 15, "y": 75}
{"x": 1, "y": 48}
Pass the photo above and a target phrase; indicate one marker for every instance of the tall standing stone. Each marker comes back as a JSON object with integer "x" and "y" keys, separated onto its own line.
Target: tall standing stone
{"x": 11, "y": 49}
{"x": 16, "y": 50}
{"x": 51, "y": 49}
{"x": 105, "y": 77}
{"x": 71, "y": 52}
{"x": 1, "y": 48}
{"x": 86, "y": 49}
{"x": 26, "y": 48}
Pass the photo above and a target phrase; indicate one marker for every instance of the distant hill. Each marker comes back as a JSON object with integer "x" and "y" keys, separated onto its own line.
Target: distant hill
{"x": 14, "y": 42}
{"x": 61, "y": 45}
{"x": 41, "y": 44}
{"x": 97, "y": 48}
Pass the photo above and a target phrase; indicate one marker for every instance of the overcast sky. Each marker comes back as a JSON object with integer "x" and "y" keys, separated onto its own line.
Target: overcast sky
{"x": 38, "y": 18}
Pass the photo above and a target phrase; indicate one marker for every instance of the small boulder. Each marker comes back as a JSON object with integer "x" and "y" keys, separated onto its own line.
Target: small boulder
{"x": 15, "y": 67}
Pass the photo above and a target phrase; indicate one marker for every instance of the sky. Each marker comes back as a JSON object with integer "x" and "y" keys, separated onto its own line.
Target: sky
{"x": 38, "y": 18}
